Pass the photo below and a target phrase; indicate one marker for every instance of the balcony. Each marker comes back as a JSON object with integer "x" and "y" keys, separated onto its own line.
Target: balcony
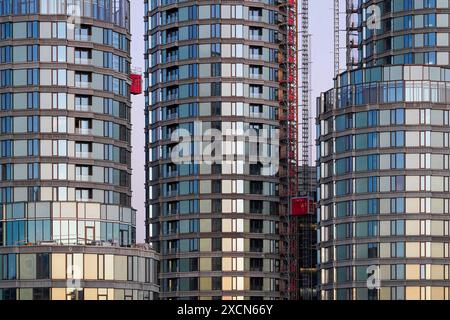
{"x": 171, "y": 174}
{"x": 256, "y": 76}
{"x": 83, "y": 85}
{"x": 255, "y": 37}
{"x": 84, "y": 155}
{"x": 83, "y": 178}
{"x": 170, "y": 39}
{"x": 256, "y": 268}
{"x": 83, "y": 37}
{"x": 83, "y": 131}
{"x": 172, "y": 116}
{"x": 83, "y": 61}
{"x": 85, "y": 108}
{"x": 256, "y": 228}
{"x": 172, "y": 250}
{"x": 256, "y": 95}
{"x": 173, "y": 96}
{"x": 172, "y": 231}
{"x": 171, "y": 19}
{"x": 172, "y": 193}
{"x": 256, "y": 56}
{"x": 172, "y": 58}
{"x": 172, "y": 77}
{"x": 256, "y": 249}
{"x": 256, "y": 284}
{"x": 255, "y": 17}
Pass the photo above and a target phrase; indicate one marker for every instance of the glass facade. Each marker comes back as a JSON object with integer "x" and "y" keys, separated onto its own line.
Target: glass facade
{"x": 65, "y": 168}
{"x": 383, "y": 160}
{"x": 83, "y": 273}
{"x": 212, "y": 74}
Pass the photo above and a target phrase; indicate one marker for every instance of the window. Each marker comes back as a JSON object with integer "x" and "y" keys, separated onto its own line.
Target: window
{"x": 216, "y": 244}
{"x": 82, "y": 32}
{"x": 59, "y": 77}
{"x": 215, "y": 50}
{"x": 33, "y": 171}
{"x": 83, "y": 79}
{"x": 397, "y": 249}
{"x": 398, "y": 116}
{"x": 33, "y": 77}
{"x": 41, "y": 294}
{"x": 59, "y": 54}
{"x": 83, "y": 126}
{"x": 83, "y": 103}
{"x": 42, "y": 266}
{"x": 397, "y": 227}
{"x": 397, "y": 139}
{"x": 83, "y": 194}
{"x": 398, "y": 161}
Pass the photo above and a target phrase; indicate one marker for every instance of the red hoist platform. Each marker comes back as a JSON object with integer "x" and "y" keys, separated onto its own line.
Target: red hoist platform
{"x": 289, "y": 153}
{"x": 136, "y": 82}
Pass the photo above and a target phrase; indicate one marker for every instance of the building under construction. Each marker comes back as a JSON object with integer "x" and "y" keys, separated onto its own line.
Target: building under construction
{"x": 297, "y": 177}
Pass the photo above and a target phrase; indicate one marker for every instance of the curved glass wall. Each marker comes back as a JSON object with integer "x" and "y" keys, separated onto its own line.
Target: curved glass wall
{"x": 77, "y": 273}
{"x": 65, "y": 168}
{"x": 384, "y": 185}
{"x": 212, "y": 74}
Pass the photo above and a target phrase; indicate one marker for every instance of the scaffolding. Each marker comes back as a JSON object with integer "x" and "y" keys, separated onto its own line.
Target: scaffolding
{"x": 353, "y": 30}
{"x": 305, "y": 224}
{"x": 296, "y": 177}
{"x": 337, "y": 39}
{"x": 289, "y": 150}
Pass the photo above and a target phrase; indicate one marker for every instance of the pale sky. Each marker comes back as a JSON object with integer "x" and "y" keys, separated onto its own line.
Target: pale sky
{"x": 321, "y": 29}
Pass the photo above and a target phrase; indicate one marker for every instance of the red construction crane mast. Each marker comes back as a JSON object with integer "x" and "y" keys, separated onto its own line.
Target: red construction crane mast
{"x": 296, "y": 205}
{"x": 289, "y": 145}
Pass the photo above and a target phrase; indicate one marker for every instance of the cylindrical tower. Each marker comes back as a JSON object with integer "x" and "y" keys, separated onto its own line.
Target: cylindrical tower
{"x": 383, "y": 158}
{"x": 213, "y": 75}
{"x": 65, "y": 148}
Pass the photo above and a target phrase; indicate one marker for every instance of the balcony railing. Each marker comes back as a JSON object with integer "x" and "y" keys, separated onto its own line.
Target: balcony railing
{"x": 172, "y": 96}
{"x": 83, "y": 85}
{"x": 83, "y": 108}
{"x": 255, "y": 18}
{"x": 256, "y": 56}
{"x": 171, "y": 174}
{"x": 172, "y": 58}
{"x": 84, "y": 155}
{"x": 83, "y": 131}
{"x": 171, "y": 19}
{"x": 85, "y": 61}
{"x": 172, "y": 77}
{"x": 172, "y": 116}
{"x": 172, "y": 193}
{"x": 83, "y": 178}
{"x": 171, "y": 39}
{"x": 255, "y": 37}
{"x": 83, "y": 37}
{"x": 256, "y": 76}
{"x": 256, "y": 95}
